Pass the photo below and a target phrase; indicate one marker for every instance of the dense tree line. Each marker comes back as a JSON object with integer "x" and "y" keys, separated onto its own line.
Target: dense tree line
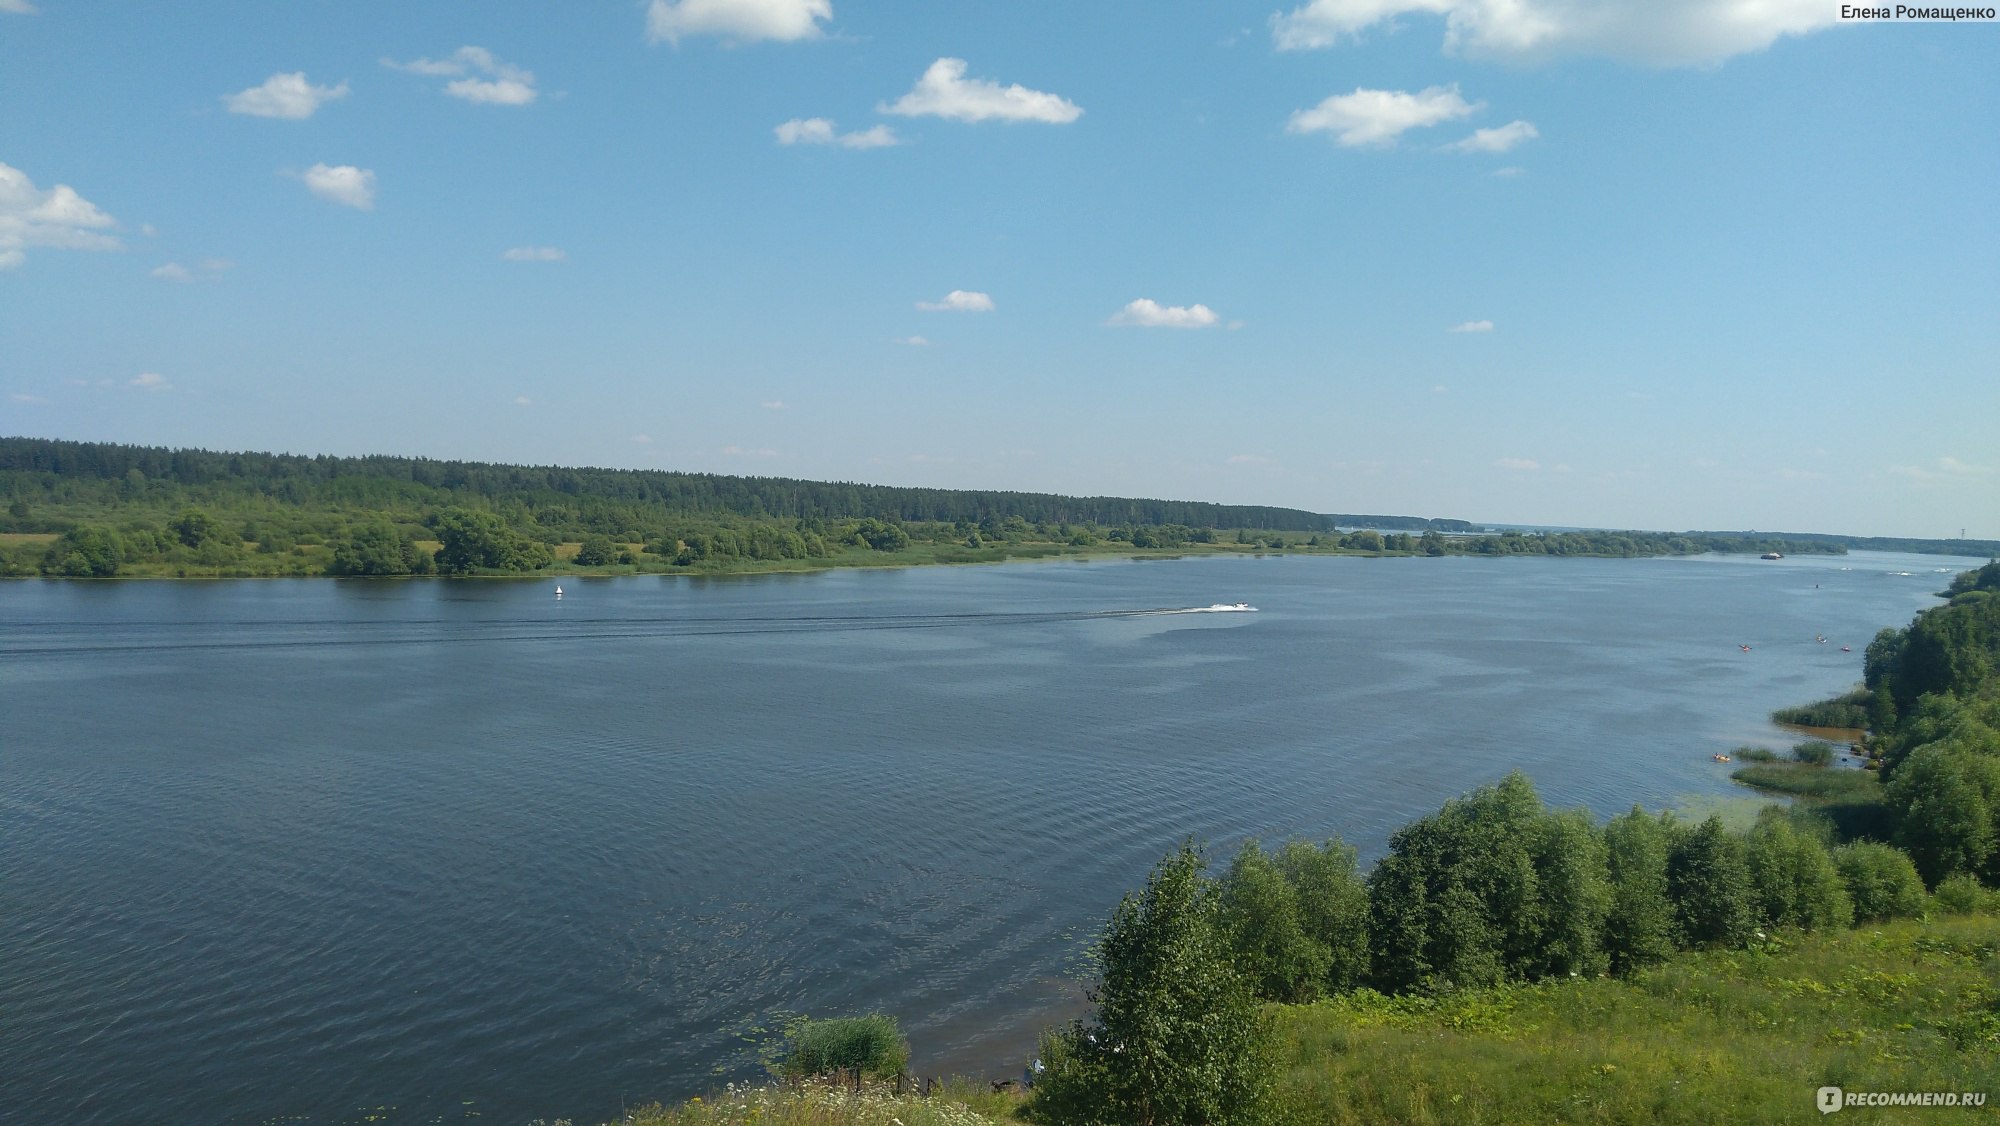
{"x": 1933, "y": 700}
{"x": 1495, "y": 888}
{"x": 30, "y": 466}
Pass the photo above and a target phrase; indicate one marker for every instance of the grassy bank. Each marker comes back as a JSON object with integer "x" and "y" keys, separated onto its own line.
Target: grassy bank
{"x": 1734, "y": 1036}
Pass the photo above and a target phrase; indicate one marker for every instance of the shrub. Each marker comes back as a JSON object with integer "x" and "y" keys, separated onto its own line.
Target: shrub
{"x": 871, "y": 1045}
{"x": 1961, "y": 894}
{"x": 1881, "y": 880}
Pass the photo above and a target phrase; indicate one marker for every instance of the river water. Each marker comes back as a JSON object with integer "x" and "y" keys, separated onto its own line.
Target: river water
{"x": 341, "y": 851}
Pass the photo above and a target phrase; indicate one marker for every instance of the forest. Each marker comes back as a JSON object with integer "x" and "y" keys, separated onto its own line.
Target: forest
{"x": 94, "y": 510}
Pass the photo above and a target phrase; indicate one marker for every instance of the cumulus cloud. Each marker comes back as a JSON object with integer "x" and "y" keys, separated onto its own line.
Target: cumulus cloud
{"x": 1498, "y": 139}
{"x": 1659, "y": 33}
{"x": 821, "y": 131}
{"x": 150, "y": 381}
{"x": 1147, "y": 313}
{"x": 173, "y": 272}
{"x": 477, "y": 76}
{"x": 913, "y": 341}
{"x": 57, "y": 218}
{"x": 523, "y": 401}
{"x": 343, "y": 184}
{"x": 288, "y": 96}
{"x": 1378, "y": 117}
{"x": 26, "y": 399}
{"x": 773, "y": 404}
{"x": 534, "y": 254}
{"x": 959, "y": 301}
{"x": 744, "y": 21}
{"x": 18, "y": 7}
{"x": 1472, "y": 326}
{"x": 944, "y": 91}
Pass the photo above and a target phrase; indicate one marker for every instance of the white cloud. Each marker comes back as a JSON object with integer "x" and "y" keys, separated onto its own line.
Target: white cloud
{"x": 1660, "y": 32}
{"x": 534, "y": 254}
{"x": 26, "y": 399}
{"x": 959, "y": 301}
{"x": 288, "y": 96}
{"x": 523, "y": 401}
{"x": 150, "y": 381}
{"x": 821, "y": 131}
{"x": 1248, "y": 459}
{"x": 642, "y": 439}
{"x": 1508, "y": 172}
{"x": 173, "y": 272}
{"x": 57, "y": 218}
{"x": 773, "y": 404}
{"x": 1953, "y": 465}
{"x": 1147, "y": 313}
{"x": 744, "y": 21}
{"x": 1498, "y": 139}
{"x": 343, "y": 184}
{"x": 944, "y": 91}
{"x": 739, "y": 451}
{"x": 1472, "y": 326}
{"x": 1521, "y": 463}
{"x": 1377, "y": 117}
{"x": 913, "y": 341}
{"x": 478, "y": 76}
{"x": 18, "y": 7}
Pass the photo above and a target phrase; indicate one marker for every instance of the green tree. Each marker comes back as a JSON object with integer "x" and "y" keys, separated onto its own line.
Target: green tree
{"x": 84, "y": 553}
{"x": 1881, "y": 881}
{"x": 1710, "y": 887}
{"x": 374, "y": 548}
{"x": 193, "y": 527}
{"x": 1260, "y": 913}
{"x": 1332, "y": 903}
{"x": 1574, "y": 886}
{"x": 597, "y": 551}
{"x": 1639, "y": 929}
{"x": 475, "y": 540}
{"x": 1793, "y": 879}
{"x": 1178, "y": 1038}
{"x": 1943, "y": 798}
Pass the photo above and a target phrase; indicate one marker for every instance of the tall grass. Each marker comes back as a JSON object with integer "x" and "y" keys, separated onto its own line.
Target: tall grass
{"x": 961, "y": 1103}
{"x": 1741, "y": 1036}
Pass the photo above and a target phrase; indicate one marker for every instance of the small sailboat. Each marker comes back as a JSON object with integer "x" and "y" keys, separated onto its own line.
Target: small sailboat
{"x": 558, "y": 592}
{"x": 1847, "y": 648}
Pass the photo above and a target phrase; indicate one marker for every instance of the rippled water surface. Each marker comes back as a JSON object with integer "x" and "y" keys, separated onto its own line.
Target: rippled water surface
{"x": 324, "y": 851}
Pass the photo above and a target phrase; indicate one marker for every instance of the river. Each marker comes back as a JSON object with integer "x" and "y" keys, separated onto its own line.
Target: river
{"x": 413, "y": 851}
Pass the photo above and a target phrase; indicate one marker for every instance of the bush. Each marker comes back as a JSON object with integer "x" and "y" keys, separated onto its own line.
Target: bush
{"x": 1961, "y": 894}
{"x": 871, "y": 1045}
{"x": 84, "y": 553}
{"x": 597, "y": 551}
{"x": 1815, "y": 752}
{"x": 1881, "y": 881}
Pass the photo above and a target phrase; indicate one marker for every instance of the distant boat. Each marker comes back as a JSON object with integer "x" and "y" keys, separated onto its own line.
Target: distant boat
{"x": 1722, "y": 758}
{"x": 559, "y": 591}
{"x": 1772, "y": 555}
{"x": 1846, "y": 649}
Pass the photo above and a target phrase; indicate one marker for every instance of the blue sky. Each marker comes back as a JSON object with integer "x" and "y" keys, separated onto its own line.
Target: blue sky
{"x": 1701, "y": 264}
